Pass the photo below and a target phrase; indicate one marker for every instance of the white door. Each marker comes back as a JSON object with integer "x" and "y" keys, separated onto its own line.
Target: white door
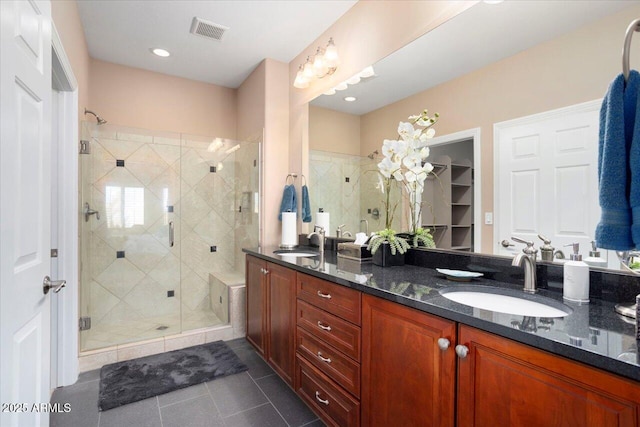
{"x": 25, "y": 196}
{"x": 546, "y": 178}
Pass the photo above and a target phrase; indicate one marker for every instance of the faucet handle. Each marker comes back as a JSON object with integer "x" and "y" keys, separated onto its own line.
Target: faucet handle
{"x": 319, "y": 229}
{"x": 529, "y": 250}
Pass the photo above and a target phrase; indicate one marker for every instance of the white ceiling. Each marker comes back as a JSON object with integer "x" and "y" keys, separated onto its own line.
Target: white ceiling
{"x": 123, "y": 32}
{"x": 481, "y": 35}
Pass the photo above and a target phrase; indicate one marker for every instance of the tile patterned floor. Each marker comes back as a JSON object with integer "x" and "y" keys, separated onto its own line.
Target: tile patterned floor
{"x": 257, "y": 397}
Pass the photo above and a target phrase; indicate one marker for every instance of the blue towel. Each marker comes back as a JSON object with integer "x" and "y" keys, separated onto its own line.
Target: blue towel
{"x": 289, "y": 200}
{"x": 306, "y": 206}
{"x": 632, "y": 95}
{"x": 617, "y": 119}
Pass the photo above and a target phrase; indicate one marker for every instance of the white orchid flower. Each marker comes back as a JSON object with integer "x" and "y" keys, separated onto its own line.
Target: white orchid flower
{"x": 427, "y": 168}
{"x": 405, "y": 130}
{"x": 424, "y": 153}
{"x": 412, "y": 160}
{"x": 388, "y": 167}
{"x": 430, "y": 133}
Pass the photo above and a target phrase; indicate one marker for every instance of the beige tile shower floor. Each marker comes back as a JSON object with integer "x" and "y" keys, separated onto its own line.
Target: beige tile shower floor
{"x": 107, "y": 335}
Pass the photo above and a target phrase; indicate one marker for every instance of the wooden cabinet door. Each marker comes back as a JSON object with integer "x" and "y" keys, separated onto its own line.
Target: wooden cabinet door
{"x": 406, "y": 379}
{"x": 281, "y": 320}
{"x": 256, "y": 300}
{"x": 504, "y": 383}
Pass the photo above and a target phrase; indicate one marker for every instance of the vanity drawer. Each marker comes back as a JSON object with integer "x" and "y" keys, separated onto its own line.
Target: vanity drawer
{"x": 331, "y": 329}
{"x": 330, "y": 361}
{"x": 335, "y": 299}
{"x": 335, "y": 406}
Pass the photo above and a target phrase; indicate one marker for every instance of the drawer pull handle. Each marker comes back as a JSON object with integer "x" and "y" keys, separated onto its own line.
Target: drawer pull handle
{"x": 324, "y": 402}
{"x": 324, "y": 359}
{"x": 325, "y": 327}
{"x": 321, "y": 295}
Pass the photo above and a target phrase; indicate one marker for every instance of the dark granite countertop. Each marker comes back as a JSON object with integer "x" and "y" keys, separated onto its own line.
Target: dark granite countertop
{"x": 592, "y": 334}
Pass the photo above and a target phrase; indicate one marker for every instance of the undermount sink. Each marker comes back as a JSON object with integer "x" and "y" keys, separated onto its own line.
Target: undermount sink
{"x": 507, "y": 301}
{"x": 295, "y": 254}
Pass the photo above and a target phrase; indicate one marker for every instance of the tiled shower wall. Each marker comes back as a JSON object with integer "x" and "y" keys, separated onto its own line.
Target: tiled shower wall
{"x": 346, "y": 187}
{"x": 135, "y": 284}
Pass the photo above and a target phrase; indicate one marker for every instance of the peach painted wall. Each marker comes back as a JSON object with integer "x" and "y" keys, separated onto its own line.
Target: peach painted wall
{"x": 67, "y": 21}
{"x": 276, "y": 142}
{"x": 251, "y": 103}
{"x": 144, "y": 99}
{"x": 334, "y": 131}
{"x": 571, "y": 69}
{"x": 263, "y": 103}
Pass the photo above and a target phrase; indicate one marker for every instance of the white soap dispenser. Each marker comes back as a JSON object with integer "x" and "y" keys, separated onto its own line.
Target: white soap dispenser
{"x": 576, "y": 277}
{"x": 594, "y": 259}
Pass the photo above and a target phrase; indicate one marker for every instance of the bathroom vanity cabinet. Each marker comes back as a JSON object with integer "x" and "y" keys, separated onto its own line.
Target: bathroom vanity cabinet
{"x": 364, "y": 360}
{"x": 501, "y": 382}
{"x": 271, "y": 314}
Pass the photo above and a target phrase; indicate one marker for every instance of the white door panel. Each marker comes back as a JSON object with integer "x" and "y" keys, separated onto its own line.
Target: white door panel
{"x": 25, "y": 195}
{"x": 546, "y": 177}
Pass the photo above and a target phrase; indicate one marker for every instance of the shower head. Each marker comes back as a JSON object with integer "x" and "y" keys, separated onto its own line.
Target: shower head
{"x": 372, "y": 155}
{"x": 99, "y": 119}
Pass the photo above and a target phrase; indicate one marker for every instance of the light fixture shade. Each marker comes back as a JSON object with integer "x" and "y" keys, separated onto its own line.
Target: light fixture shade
{"x": 331, "y": 55}
{"x": 308, "y": 71}
{"x": 319, "y": 65}
{"x": 301, "y": 82}
{"x": 331, "y": 91}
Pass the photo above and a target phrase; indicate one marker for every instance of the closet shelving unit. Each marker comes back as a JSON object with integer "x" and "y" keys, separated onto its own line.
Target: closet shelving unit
{"x": 447, "y": 208}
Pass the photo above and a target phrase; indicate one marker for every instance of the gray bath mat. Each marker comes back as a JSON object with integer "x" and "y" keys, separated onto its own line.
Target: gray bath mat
{"x": 137, "y": 379}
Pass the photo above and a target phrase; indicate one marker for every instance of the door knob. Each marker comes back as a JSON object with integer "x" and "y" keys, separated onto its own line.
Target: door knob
{"x": 56, "y": 285}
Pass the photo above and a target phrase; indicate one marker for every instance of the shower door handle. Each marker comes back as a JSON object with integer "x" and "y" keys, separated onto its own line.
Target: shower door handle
{"x": 170, "y": 234}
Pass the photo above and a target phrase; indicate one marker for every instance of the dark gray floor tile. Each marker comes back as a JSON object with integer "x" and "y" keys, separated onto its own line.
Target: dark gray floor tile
{"x": 83, "y": 399}
{"x": 198, "y": 412}
{"x": 238, "y": 343}
{"x": 263, "y": 416}
{"x": 183, "y": 394}
{"x": 316, "y": 423}
{"x": 257, "y": 367}
{"x": 235, "y": 393}
{"x": 144, "y": 413}
{"x": 292, "y": 409}
{"x": 88, "y": 376}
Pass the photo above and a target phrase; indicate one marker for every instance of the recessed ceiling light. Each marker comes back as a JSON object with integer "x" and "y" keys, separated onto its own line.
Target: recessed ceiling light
{"x": 349, "y": 98}
{"x": 160, "y": 52}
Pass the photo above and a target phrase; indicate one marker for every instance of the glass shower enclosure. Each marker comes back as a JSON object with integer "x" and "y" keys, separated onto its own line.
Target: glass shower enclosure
{"x": 160, "y": 214}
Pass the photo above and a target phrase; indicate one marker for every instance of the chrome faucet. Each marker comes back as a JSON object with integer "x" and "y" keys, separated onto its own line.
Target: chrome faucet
{"x": 320, "y": 232}
{"x": 366, "y": 226}
{"x": 340, "y": 233}
{"x": 527, "y": 259}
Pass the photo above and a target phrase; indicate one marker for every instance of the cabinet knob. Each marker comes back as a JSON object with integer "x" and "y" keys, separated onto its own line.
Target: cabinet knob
{"x": 462, "y": 351}
{"x": 321, "y": 295}
{"x": 265, "y": 271}
{"x": 324, "y": 402}
{"x": 443, "y": 343}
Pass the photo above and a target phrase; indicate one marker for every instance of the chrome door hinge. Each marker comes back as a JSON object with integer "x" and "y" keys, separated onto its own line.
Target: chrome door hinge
{"x": 85, "y": 323}
{"x": 54, "y": 253}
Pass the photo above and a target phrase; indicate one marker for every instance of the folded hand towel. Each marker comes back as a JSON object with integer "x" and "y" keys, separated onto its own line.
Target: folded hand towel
{"x": 289, "y": 201}
{"x": 306, "y": 207}
{"x": 632, "y": 104}
{"x": 614, "y": 229}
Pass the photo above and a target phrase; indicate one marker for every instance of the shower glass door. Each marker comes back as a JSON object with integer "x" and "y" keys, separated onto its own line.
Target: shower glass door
{"x": 130, "y": 267}
{"x": 167, "y": 216}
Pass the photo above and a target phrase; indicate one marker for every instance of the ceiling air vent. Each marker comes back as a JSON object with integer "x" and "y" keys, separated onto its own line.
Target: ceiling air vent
{"x": 207, "y": 29}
